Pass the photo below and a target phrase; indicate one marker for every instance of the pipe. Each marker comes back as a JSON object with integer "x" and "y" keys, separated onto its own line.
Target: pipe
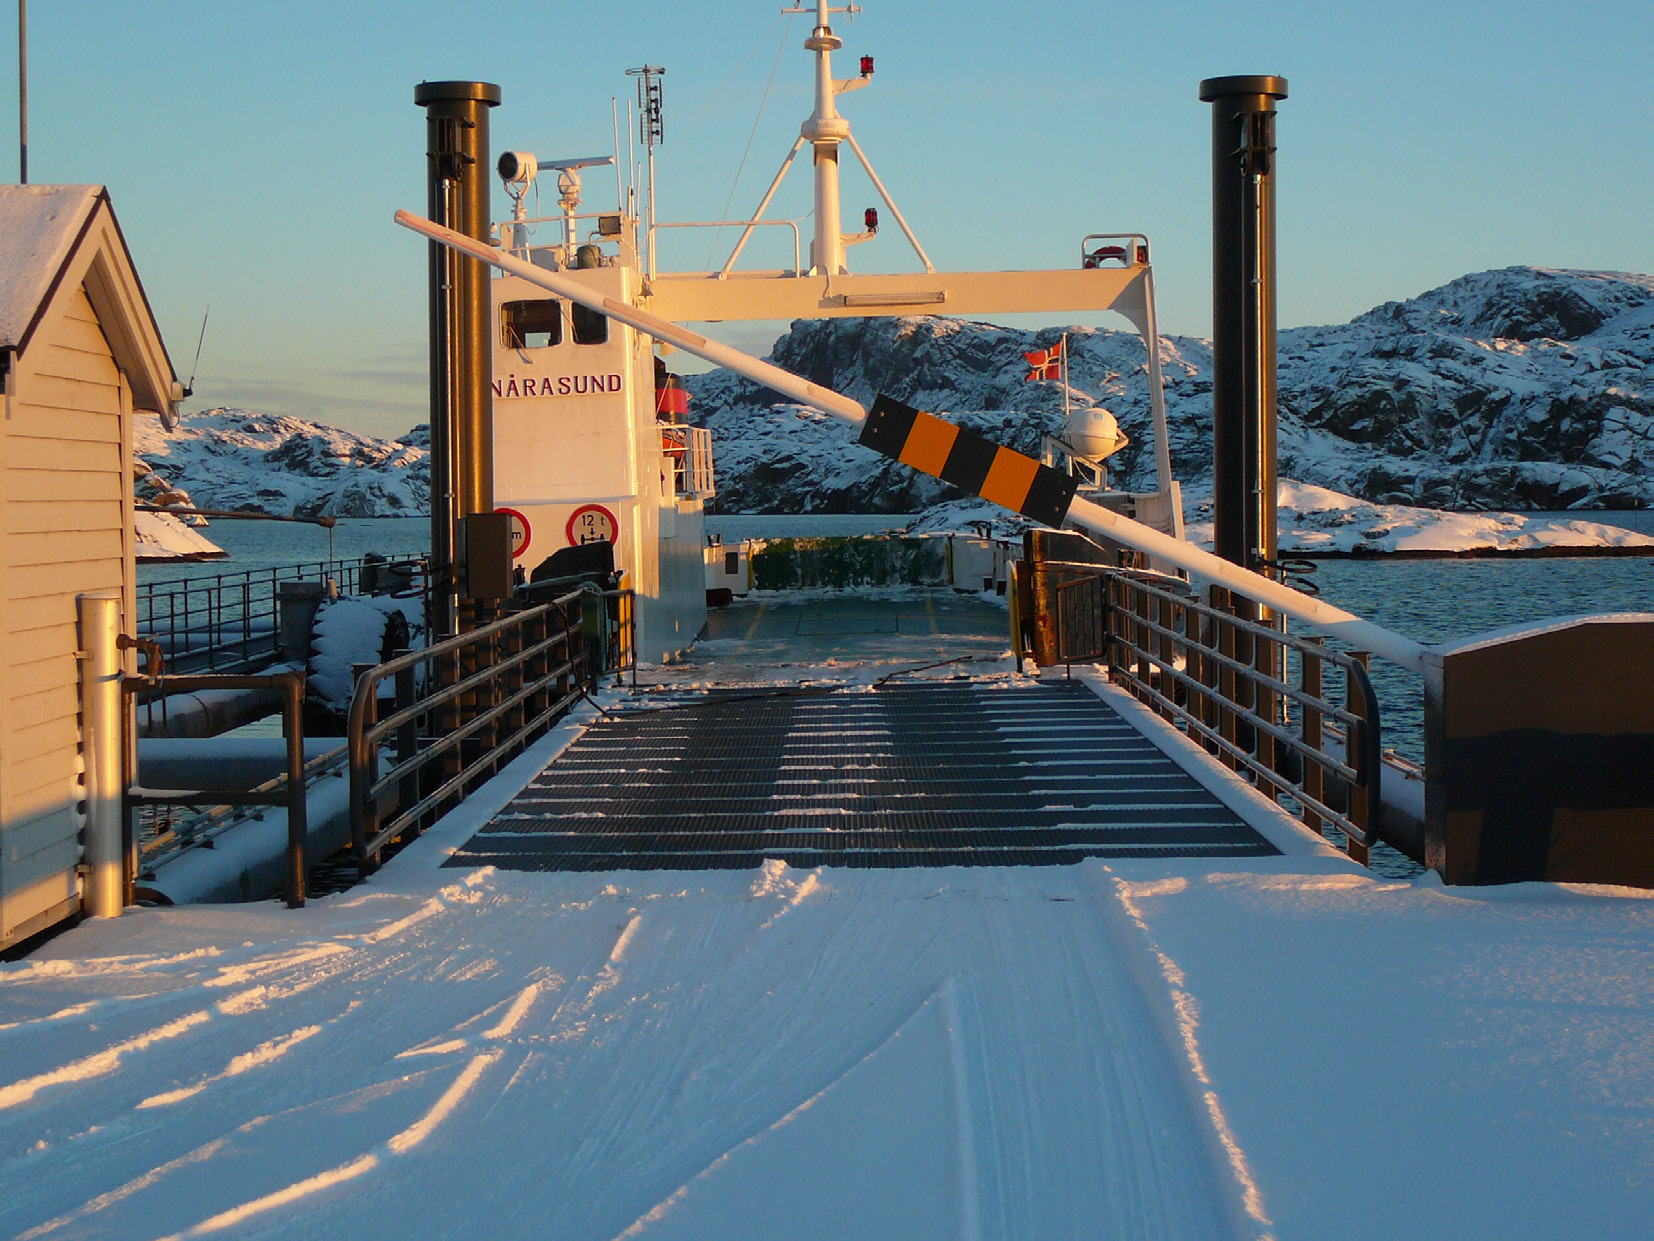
{"x": 239, "y": 514}
{"x": 1359, "y": 633}
{"x": 101, "y": 703}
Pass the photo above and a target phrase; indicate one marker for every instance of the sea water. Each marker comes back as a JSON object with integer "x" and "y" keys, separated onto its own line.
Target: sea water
{"x": 262, "y": 545}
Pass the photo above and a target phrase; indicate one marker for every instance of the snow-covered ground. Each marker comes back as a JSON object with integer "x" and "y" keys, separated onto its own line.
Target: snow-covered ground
{"x": 161, "y": 536}
{"x": 1318, "y": 520}
{"x": 1285, "y": 1047}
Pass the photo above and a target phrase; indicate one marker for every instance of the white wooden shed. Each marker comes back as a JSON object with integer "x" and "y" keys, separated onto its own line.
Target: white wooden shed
{"x": 79, "y": 352}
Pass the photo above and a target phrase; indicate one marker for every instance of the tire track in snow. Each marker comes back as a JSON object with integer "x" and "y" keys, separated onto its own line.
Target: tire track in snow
{"x": 1186, "y": 1012}
{"x": 265, "y": 1053}
{"x": 398, "y": 1146}
{"x": 664, "y": 1207}
{"x": 101, "y": 1063}
{"x": 970, "y": 1200}
{"x": 227, "y": 976}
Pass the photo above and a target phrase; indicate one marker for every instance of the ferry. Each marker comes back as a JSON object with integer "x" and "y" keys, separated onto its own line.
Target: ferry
{"x": 940, "y": 941}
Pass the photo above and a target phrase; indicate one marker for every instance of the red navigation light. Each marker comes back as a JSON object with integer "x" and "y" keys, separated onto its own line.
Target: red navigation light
{"x": 867, "y": 66}
{"x": 1142, "y": 253}
{"x": 870, "y": 219}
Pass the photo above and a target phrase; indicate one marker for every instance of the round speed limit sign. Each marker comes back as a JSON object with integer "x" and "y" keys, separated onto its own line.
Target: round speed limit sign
{"x": 592, "y": 523}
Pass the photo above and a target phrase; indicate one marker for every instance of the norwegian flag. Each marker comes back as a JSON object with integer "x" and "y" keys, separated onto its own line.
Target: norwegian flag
{"x": 1044, "y": 364}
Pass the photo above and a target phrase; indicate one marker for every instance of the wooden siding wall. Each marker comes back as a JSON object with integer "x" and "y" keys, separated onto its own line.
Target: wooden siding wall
{"x": 65, "y": 517}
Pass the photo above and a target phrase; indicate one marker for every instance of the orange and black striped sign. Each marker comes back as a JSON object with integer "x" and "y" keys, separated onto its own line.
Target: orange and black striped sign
{"x": 962, "y": 457}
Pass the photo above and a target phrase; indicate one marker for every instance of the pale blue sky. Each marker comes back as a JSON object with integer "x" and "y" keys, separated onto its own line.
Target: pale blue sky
{"x": 256, "y": 151}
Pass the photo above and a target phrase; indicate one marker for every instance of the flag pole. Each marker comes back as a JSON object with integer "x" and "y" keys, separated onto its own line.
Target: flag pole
{"x": 1066, "y": 391}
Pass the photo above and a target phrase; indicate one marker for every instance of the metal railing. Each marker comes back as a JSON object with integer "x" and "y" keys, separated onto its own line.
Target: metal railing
{"x": 1264, "y": 702}
{"x": 688, "y": 453}
{"x": 463, "y": 708}
{"x": 748, "y": 225}
{"x": 288, "y": 790}
{"x": 232, "y": 620}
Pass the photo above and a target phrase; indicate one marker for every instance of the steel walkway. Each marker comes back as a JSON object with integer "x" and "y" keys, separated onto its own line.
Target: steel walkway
{"x": 918, "y": 774}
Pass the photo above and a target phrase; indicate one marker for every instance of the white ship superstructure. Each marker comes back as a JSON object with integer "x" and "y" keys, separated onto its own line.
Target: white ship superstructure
{"x": 585, "y": 447}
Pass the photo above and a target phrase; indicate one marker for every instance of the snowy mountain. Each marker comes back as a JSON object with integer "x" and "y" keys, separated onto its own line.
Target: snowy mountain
{"x": 240, "y": 459}
{"x": 1518, "y": 388}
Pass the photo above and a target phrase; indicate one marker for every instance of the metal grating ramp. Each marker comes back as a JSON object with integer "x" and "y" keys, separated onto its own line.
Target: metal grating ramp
{"x": 926, "y": 774}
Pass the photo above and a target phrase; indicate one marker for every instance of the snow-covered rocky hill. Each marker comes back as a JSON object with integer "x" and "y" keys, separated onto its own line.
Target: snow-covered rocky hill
{"x": 1520, "y": 388}
{"x": 163, "y": 536}
{"x": 240, "y": 459}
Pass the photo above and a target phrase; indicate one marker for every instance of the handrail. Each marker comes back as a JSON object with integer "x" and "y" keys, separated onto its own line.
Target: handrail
{"x": 798, "y": 249}
{"x": 1185, "y": 658}
{"x": 1334, "y": 621}
{"x": 486, "y": 695}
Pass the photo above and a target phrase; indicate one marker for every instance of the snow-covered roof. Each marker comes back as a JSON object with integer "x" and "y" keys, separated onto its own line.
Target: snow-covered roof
{"x": 57, "y": 235}
{"x": 39, "y": 225}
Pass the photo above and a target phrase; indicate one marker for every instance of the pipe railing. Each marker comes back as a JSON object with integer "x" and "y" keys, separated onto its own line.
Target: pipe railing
{"x": 161, "y": 837}
{"x": 749, "y": 225}
{"x": 1225, "y": 681}
{"x": 288, "y": 791}
{"x": 228, "y": 621}
{"x": 461, "y": 710}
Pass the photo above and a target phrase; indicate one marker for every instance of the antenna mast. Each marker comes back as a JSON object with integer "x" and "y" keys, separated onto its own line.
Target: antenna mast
{"x": 22, "y": 92}
{"x": 651, "y": 132}
{"x": 824, "y": 130}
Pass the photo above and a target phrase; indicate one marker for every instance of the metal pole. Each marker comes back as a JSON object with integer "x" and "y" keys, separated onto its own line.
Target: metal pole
{"x": 22, "y": 92}
{"x": 298, "y": 818}
{"x": 101, "y": 707}
{"x": 461, "y": 349}
{"x": 1243, "y": 314}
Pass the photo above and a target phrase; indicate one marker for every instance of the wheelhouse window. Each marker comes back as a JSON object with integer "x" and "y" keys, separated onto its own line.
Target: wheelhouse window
{"x": 591, "y": 327}
{"x": 532, "y": 325}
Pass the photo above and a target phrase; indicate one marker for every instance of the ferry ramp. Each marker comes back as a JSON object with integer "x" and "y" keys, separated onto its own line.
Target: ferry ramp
{"x": 873, "y": 768}
{"x": 949, "y": 773}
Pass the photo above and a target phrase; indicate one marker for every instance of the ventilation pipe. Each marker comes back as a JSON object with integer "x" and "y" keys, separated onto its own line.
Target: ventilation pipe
{"x": 462, "y": 359}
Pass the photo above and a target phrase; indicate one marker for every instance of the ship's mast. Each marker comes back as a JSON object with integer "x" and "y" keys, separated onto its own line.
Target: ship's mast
{"x": 824, "y": 130}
